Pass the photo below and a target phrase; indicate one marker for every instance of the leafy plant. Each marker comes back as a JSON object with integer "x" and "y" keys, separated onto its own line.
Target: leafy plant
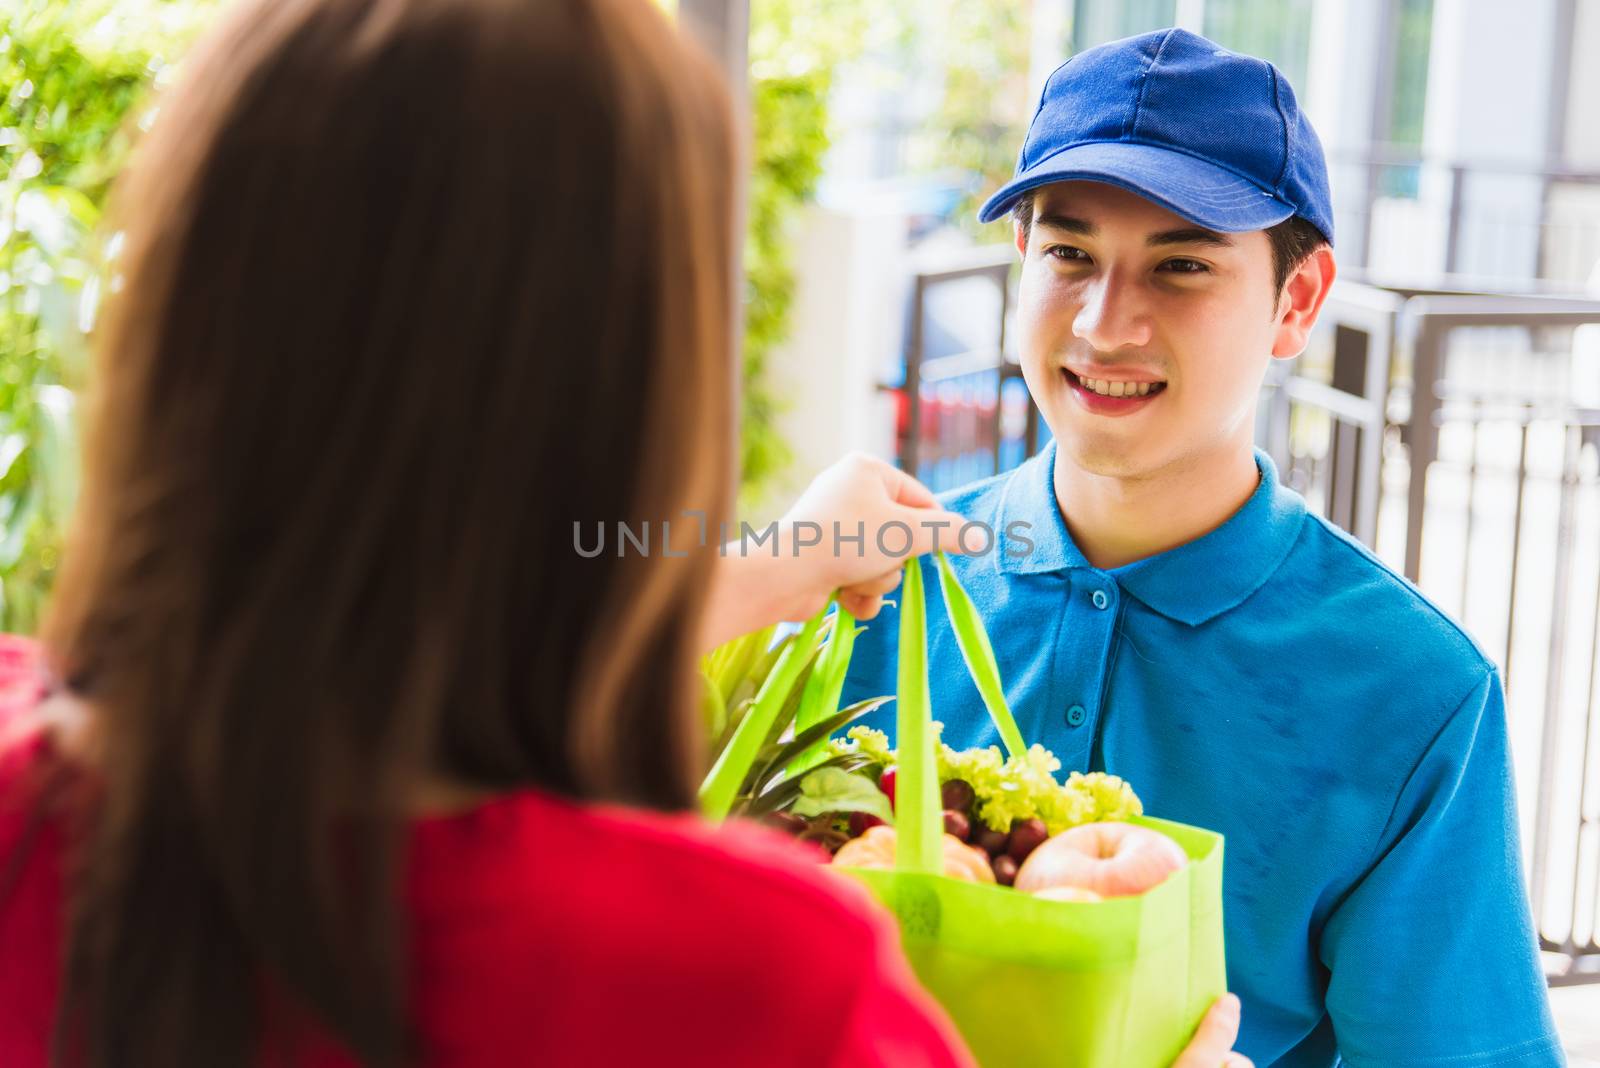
{"x": 982, "y": 47}
{"x": 790, "y": 127}
{"x": 73, "y": 76}
{"x": 836, "y": 790}
{"x": 770, "y": 709}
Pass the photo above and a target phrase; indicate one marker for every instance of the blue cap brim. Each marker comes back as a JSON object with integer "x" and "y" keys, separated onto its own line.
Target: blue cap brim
{"x": 1185, "y": 185}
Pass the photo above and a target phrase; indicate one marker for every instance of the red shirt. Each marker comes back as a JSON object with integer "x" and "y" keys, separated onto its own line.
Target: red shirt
{"x": 546, "y": 932}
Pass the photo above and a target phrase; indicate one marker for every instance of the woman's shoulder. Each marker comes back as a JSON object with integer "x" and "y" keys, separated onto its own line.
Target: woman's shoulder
{"x": 755, "y": 862}
{"x": 595, "y": 857}
{"x": 668, "y": 914}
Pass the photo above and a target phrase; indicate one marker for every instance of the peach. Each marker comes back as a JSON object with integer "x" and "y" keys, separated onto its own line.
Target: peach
{"x": 1068, "y": 893}
{"x": 1108, "y": 859}
{"x": 875, "y": 849}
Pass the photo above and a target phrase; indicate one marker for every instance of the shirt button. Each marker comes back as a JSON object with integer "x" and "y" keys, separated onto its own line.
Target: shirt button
{"x": 1076, "y": 715}
{"x": 1100, "y": 599}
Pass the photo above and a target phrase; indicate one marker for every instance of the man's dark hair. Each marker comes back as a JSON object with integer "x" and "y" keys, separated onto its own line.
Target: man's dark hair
{"x": 1293, "y": 241}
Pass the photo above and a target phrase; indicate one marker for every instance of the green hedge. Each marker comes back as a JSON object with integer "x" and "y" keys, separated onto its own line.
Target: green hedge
{"x": 71, "y": 75}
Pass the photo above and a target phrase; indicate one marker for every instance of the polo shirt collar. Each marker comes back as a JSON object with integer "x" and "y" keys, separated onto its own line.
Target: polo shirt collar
{"x": 1192, "y": 583}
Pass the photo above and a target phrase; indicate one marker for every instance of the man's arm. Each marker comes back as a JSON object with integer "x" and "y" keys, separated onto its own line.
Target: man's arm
{"x": 1433, "y": 954}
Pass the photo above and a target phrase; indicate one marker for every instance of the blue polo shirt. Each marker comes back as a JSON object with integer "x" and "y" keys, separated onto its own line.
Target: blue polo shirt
{"x": 1274, "y": 681}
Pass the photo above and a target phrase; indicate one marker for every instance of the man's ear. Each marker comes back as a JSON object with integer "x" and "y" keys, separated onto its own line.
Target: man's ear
{"x": 1021, "y": 238}
{"x": 1301, "y": 303}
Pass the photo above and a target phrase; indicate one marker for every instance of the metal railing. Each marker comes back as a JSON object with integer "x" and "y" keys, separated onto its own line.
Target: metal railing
{"x": 1433, "y": 487}
{"x": 1506, "y": 220}
{"x": 1354, "y": 398}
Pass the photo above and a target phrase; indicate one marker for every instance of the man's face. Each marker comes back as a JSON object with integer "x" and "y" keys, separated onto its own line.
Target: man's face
{"x": 1120, "y": 294}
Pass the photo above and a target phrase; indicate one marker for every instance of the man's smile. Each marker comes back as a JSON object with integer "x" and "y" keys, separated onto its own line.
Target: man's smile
{"x": 1127, "y": 393}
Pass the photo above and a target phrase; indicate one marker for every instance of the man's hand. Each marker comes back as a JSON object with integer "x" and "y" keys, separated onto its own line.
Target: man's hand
{"x": 1212, "y": 1045}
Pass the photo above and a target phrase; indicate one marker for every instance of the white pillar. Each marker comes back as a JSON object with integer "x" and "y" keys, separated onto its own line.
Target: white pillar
{"x": 1049, "y": 41}
{"x": 844, "y": 332}
{"x": 1489, "y": 100}
{"x": 723, "y": 28}
{"x": 1190, "y": 14}
{"x": 1583, "y": 132}
{"x": 1349, "y": 82}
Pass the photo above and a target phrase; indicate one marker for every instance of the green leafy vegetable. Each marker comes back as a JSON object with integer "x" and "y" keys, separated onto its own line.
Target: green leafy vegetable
{"x": 835, "y": 790}
{"x": 734, "y": 762}
{"x": 821, "y": 698}
{"x": 1012, "y": 788}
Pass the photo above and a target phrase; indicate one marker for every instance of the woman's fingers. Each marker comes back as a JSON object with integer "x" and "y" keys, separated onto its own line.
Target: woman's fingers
{"x": 1212, "y": 1044}
{"x": 864, "y": 600}
{"x": 861, "y": 517}
{"x": 903, "y": 489}
{"x": 860, "y": 606}
{"x": 849, "y": 533}
{"x": 877, "y": 587}
{"x": 935, "y": 528}
{"x": 1238, "y": 1060}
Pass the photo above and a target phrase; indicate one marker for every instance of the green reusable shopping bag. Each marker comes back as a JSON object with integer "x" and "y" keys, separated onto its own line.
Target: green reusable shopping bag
{"x": 1032, "y": 983}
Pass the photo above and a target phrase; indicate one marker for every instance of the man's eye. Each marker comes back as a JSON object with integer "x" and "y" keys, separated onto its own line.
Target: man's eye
{"x": 1183, "y": 266}
{"x": 1067, "y": 254}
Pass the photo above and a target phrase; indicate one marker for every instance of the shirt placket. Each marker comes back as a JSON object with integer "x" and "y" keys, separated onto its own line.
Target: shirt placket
{"x": 1085, "y": 650}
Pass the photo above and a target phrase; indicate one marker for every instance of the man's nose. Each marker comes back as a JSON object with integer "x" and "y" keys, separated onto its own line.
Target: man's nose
{"x": 1112, "y": 315}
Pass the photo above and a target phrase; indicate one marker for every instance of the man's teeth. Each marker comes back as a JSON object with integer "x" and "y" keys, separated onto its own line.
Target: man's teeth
{"x": 1117, "y": 389}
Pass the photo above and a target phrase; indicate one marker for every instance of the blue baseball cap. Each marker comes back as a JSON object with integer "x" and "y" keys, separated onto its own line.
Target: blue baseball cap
{"x": 1211, "y": 135}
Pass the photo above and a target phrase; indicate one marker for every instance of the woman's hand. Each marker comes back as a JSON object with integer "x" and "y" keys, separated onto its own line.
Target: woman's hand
{"x": 896, "y": 516}
{"x": 1212, "y": 1045}
{"x": 851, "y": 531}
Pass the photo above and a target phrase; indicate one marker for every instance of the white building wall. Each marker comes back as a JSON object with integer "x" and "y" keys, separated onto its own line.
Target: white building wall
{"x": 846, "y": 321}
{"x": 1343, "y": 81}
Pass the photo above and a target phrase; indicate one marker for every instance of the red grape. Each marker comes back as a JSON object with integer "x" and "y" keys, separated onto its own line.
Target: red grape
{"x": 1005, "y": 870}
{"x": 886, "y": 783}
{"x": 956, "y": 823}
{"x": 860, "y": 822}
{"x": 990, "y": 840}
{"x": 1026, "y": 836}
{"x": 957, "y": 795}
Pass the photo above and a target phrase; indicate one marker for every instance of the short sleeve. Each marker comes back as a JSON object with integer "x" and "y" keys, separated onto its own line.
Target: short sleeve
{"x": 1433, "y": 954}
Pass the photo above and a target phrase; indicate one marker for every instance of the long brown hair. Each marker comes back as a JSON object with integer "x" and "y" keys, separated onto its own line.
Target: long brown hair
{"x": 411, "y": 288}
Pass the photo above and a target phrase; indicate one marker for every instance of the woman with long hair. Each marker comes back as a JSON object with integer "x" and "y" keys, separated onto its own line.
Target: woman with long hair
{"x": 337, "y": 751}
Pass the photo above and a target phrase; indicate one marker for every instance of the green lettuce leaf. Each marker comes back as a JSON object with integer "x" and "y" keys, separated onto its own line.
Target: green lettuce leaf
{"x": 834, "y": 790}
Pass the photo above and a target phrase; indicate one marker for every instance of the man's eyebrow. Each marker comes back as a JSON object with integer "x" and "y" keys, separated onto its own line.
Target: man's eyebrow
{"x": 1193, "y": 235}
{"x": 1068, "y": 224}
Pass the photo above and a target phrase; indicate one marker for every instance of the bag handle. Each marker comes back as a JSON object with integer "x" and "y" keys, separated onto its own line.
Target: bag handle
{"x": 919, "y": 820}
{"x": 917, "y": 793}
